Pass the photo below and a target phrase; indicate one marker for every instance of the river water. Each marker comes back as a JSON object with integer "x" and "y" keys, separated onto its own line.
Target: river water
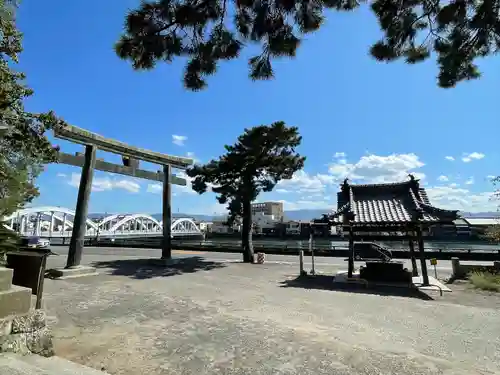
{"x": 326, "y": 243}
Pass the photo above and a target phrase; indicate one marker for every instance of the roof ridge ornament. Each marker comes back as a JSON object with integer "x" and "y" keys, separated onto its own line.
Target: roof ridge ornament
{"x": 345, "y": 184}
{"x": 412, "y": 177}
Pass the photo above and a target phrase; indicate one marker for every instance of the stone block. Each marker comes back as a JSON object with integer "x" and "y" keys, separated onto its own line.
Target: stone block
{"x": 40, "y": 342}
{"x": 70, "y": 273}
{"x": 6, "y": 275}
{"x": 15, "y": 301}
{"x": 37, "y": 342}
{"x": 33, "y": 321}
{"x": 5, "y": 326}
{"x": 14, "y": 344}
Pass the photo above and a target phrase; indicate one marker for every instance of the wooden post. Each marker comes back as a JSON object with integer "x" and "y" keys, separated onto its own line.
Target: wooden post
{"x": 412, "y": 255}
{"x": 80, "y": 220}
{"x": 41, "y": 279}
{"x": 166, "y": 247}
{"x": 350, "y": 269}
{"x": 423, "y": 264}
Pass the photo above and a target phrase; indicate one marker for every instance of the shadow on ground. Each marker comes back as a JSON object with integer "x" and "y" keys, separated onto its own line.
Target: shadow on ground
{"x": 149, "y": 268}
{"x": 325, "y": 282}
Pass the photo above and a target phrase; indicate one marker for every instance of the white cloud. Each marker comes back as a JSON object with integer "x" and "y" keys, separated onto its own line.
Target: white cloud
{"x": 316, "y": 190}
{"x": 128, "y": 185}
{"x": 307, "y": 204}
{"x": 282, "y": 191}
{"x": 154, "y": 188}
{"x": 105, "y": 183}
{"x": 319, "y": 190}
{"x": 378, "y": 169}
{"x": 470, "y": 181}
{"x": 302, "y": 182}
{"x": 178, "y": 139}
{"x": 450, "y": 158}
{"x": 158, "y": 188}
{"x": 339, "y": 155}
{"x": 461, "y": 199}
{"x": 184, "y": 189}
{"x": 191, "y": 155}
{"x": 472, "y": 156}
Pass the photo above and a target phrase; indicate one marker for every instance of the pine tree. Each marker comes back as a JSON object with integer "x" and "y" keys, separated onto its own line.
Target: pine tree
{"x": 262, "y": 156}
{"x": 209, "y": 31}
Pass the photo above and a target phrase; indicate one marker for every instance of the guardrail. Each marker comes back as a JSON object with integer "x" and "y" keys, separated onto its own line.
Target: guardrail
{"x": 325, "y": 250}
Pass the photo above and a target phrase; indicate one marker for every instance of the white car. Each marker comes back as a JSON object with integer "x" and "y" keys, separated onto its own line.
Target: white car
{"x": 35, "y": 242}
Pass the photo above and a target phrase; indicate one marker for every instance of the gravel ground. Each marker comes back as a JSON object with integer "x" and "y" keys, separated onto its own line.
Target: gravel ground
{"x": 203, "y": 317}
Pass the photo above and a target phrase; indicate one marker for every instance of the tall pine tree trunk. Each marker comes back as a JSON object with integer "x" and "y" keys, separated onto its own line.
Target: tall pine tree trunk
{"x": 246, "y": 232}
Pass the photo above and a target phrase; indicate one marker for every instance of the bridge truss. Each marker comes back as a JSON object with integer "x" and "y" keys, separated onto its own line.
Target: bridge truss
{"x": 57, "y": 222}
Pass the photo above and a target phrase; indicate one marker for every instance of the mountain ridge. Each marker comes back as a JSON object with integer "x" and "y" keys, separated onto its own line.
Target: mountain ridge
{"x": 304, "y": 214}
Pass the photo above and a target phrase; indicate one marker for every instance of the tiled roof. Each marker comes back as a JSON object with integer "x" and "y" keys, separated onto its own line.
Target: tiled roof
{"x": 395, "y": 203}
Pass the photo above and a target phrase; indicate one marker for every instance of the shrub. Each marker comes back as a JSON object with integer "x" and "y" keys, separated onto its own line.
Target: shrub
{"x": 485, "y": 281}
{"x": 8, "y": 241}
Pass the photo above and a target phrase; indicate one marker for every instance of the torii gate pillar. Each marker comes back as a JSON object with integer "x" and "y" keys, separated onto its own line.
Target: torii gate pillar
{"x": 82, "y": 205}
{"x": 166, "y": 246}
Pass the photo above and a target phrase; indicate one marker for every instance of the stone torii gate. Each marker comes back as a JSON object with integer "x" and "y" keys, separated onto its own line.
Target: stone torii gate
{"x": 131, "y": 156}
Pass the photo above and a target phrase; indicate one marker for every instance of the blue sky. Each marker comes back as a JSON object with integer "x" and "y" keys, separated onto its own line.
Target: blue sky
{"x": 371, "y": 121}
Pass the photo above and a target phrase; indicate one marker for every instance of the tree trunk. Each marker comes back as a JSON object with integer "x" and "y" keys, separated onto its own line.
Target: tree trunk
{"x": 246, "y": 233}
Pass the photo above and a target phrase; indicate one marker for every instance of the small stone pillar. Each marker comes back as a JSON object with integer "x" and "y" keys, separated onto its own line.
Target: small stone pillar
{"x": 455, "y": 266}
{"x": 301, "y": 262}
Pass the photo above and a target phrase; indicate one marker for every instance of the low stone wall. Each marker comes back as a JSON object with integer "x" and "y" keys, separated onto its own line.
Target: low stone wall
{"x": 460, "y": 271}
{"x": 22, "y": 330}
{"x": 27, "y": 334}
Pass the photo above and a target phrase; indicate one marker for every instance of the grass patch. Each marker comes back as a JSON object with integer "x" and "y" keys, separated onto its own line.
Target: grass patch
{"x": 485, "y": 281}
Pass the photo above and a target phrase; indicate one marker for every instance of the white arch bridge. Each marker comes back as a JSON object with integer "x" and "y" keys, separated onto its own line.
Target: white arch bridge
{"x": 57, "y": 222}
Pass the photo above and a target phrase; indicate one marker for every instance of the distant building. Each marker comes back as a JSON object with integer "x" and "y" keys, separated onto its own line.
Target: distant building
{"x": 263, "y": 223}
{"x": 478, "y": 226}
{"x": 293, "y": 228}
{"x": 274, "y": 209}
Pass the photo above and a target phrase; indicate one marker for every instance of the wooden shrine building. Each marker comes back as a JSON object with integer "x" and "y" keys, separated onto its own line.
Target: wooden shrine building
{"x": 402, "y": 207}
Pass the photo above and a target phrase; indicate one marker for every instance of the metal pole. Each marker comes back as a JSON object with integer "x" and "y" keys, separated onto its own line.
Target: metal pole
{"x": 51, "y": 228}
{"x": 166, "y": 247}
{"x": 301, "y": 262}
{"x": 350, "y": 268}
{"x": 41, "y": 279}
{"x": 80, "y": 221}
{"x": 311, "y": 249}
